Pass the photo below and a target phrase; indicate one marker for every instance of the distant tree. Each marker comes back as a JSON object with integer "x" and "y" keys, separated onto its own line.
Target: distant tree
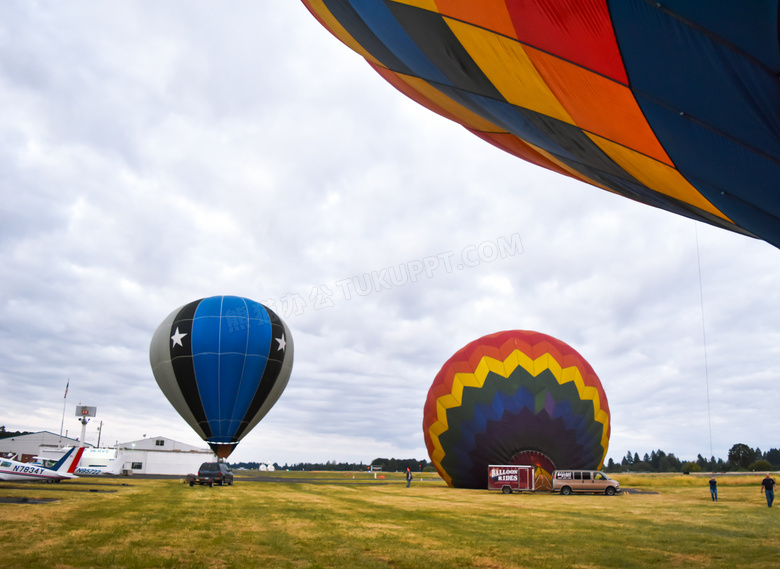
{"x": 655, "y": 459}
{"x": 400, "y": 464}
{"x": 246, "y": 465}
{"x": 741, "y": 455}
{"x": 636, "y": 458}
{"x": 691, "y": 467}
{"x": 8, "y": 434}
{"x": 611, "y": 465}
{"x": 773, "y": 456}
{"x": 706, "y": 464}
{"x": 641, "y": 466}
{"x": 760, "y": 465}
{"x": 675, "y": 464}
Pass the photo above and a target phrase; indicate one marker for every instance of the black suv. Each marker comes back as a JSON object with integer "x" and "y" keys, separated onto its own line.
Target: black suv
{"x": 213, "y": 473}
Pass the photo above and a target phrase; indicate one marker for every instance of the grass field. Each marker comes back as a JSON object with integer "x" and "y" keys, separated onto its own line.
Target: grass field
{"x": 335, "y": 520}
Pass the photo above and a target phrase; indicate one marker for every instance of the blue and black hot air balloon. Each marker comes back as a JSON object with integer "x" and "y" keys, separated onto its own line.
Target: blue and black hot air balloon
{"x": 222, "y": 362}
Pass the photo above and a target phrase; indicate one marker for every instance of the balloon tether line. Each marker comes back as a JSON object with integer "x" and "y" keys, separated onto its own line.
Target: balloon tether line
{"x": 704, "y": 337}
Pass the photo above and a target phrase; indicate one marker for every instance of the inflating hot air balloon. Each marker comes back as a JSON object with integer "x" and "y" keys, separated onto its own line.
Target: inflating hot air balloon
{"x": 515, "y": 397}
{"x": 673, "y": 104}
{"x": 222, "y": 362}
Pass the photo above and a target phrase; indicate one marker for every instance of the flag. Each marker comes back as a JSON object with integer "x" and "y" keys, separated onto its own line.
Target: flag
{"x": 66, "y": 389}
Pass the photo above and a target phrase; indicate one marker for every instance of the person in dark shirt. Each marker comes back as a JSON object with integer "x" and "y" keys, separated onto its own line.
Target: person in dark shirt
{"x": 768, "y": 488}
{"x": 714, "y": 489}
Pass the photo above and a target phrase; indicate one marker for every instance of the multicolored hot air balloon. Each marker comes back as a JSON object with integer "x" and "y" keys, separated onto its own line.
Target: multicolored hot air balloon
{"x": 222, "y": 362}
{"x": 673, "y": 104}
{"x": 515, "y": 397}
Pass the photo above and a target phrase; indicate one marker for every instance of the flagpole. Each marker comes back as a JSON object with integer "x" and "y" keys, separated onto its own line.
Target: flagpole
{"x": 64, "y": 402}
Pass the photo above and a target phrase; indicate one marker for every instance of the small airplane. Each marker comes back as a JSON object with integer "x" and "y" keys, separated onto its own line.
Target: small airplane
{"x": 15, "y": 471}
{"x": 94, "y": 462}
{"x": 114, "y": 466}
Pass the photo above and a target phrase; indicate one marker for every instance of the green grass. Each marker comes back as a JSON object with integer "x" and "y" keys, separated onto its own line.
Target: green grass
{"x": 339, "y": 521}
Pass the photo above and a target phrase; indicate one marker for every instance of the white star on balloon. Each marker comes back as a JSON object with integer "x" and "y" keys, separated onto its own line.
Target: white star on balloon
{"x": 176, "y": 338}
{"x": 282, "y": 343}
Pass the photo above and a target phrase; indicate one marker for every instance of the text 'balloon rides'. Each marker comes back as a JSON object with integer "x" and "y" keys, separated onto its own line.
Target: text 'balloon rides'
{"x": 222, "y": 362}
{"x": 673, "y": 104}
{"x": 515, "y": 397}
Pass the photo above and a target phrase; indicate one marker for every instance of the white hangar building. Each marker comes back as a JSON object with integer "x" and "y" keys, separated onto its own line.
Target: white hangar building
{"x": 28, "y": 445}
{"x": 161, "y": 455}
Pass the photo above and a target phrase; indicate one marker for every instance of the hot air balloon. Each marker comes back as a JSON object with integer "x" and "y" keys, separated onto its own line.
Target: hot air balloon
{"x": 515, "y": 397}
{"x": 222, "y": 362}
{"x": 673, "y": 104}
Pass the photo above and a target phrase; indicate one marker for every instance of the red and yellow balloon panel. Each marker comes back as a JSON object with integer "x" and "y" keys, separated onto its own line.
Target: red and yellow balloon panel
{"x": 672, "y": 104}
{"x": 515, "y": 397}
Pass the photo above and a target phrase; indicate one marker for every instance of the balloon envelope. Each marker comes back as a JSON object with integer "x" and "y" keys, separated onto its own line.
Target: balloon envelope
{"x": 515, "y": 397}
{"x": 222, "y": 362}
{"x": 673, "y": 104}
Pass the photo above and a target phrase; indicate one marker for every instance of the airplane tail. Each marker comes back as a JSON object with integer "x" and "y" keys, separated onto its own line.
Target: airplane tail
{"x": 68, "y": 463}
{"x": 117, "y": 466}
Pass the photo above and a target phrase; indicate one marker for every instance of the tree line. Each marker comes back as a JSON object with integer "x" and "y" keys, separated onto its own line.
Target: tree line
{"x": 386, "y": 464}
{"x": 741, "y": 457}
{"x": 8, "y": 434}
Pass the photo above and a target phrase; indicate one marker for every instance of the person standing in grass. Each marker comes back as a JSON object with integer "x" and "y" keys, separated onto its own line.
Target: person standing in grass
{"x": 408, "y": 477}
{"x": 714, "y": 489}
{"x": 768, "y": 488}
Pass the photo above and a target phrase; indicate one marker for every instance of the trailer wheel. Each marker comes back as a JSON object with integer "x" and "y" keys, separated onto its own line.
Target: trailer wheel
{"x": 566, "y": 491}
{"x": 609, "y": 491}
{"x": 506, "y": 489}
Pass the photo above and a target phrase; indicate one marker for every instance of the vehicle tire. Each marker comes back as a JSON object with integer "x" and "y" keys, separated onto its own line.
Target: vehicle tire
{"x": 566, "y": 491}
{"x": 192, "y": 483}
{"x": 609, "y": 491}
{"x": 211, "y": 483}
{"x": 221, "y": 481}
{"x": 230, "y": 483}
{"x": 506, "y": 490}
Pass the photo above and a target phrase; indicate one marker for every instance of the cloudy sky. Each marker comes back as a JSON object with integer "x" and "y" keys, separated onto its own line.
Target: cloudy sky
{"x": 154, "y": 153}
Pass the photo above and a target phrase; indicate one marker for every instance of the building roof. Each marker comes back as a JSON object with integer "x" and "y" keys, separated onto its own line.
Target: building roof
{"x": 43, "y": 438}
{"x": 161, "y": 444}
